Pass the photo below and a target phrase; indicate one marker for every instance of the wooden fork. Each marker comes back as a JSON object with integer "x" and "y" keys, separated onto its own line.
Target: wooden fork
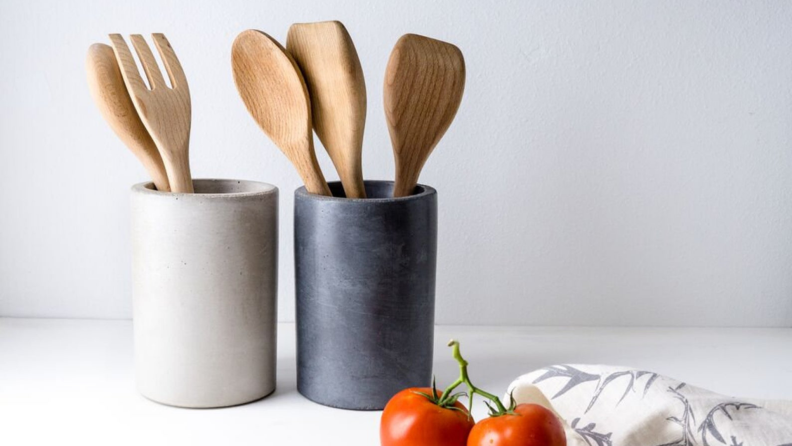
{"x": 166, "y": 112}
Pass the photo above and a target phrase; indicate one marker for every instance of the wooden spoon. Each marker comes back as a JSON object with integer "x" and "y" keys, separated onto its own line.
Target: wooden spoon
{"x": 274, "y": 92}
{"x": 111, "y": 96}
{"x": 328, "y": 60}
{"x": 424, "y": 82}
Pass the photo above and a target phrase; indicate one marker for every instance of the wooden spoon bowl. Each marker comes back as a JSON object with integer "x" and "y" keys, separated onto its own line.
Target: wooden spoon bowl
{"x": 424, "y": 83}
{"x": 274, "y": 92}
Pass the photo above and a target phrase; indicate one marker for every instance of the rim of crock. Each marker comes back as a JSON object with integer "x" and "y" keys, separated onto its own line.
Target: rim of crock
{"x": 427, "y": 190}
{"x": 147, "y": 188}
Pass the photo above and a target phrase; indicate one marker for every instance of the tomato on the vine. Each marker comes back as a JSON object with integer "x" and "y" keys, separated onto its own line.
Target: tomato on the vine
{"x": 426, "y": 417}
{"x": 414, "y": 418}
{"x": 525, "y": 425}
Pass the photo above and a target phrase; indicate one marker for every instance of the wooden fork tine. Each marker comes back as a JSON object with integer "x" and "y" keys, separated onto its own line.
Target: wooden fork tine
{"x": 148, "y": 61}
{"x": 171, "y": 62}
{"x": 126, "y": 62}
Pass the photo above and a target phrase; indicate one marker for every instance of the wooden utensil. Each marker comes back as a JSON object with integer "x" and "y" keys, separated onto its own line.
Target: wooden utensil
{"x": 275, "y": 94}
{"x": 111, "y": 96}
{"x": 166, "y": 112}
{"x": 424, "y": 82}
{"x": 329, "y": 62}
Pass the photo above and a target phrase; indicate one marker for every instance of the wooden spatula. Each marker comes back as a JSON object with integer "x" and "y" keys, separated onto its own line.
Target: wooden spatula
{"x": 274, "y": 92}
{"x": 111, "y": 97}
{"x": 329, "y": 62}
{"x": 165, "y": 111}
{"x": 424, "y": 82}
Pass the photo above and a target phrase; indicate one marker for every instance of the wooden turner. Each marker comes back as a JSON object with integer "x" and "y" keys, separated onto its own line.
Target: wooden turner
{"x": 274, "y": 92}
{"x": 111, "y": 97}
{"x": 328, "y": 60}
{"x": 165, "y": 111}
{"x": 424, "y": 82}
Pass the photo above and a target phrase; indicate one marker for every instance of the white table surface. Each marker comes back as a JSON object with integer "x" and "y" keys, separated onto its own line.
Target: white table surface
{"x": 68, "y": 382}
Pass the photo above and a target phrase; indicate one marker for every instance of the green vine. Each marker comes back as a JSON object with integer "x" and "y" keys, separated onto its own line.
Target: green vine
{"x": 445, "y": 403}
{"x": 448, "y": 398}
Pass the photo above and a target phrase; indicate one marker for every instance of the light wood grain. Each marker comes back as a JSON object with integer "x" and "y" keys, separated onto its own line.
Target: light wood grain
{"x": 273, "y": 89}
{"x": 166, "y": 112}
{"x": 331, "y": 67}
{"x": 112, "y": 98}
{"x": 424, "y": 83}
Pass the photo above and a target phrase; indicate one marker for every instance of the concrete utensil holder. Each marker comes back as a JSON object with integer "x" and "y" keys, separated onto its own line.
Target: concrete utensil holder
{"x": 205, "y": 292}
{"x": 365, "y": 271}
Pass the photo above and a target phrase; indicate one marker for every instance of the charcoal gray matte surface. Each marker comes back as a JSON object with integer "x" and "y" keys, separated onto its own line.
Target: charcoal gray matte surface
{"x": 365, "y": 276}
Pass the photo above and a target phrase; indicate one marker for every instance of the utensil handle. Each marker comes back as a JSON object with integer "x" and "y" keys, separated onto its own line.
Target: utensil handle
{"x": 353, "y": 184}
{"x": 179, "y": 177}
{"x": 403, "y": 189}
{"x": 317, "y": 185}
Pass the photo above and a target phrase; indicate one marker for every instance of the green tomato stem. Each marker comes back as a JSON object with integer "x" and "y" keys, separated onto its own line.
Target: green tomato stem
{"x": 465, "y": 379}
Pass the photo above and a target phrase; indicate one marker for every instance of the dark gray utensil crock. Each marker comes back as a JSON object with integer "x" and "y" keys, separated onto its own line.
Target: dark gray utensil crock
{"x": 365, "y": 272}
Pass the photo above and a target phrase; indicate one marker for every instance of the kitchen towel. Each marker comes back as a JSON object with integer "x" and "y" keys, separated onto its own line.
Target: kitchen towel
{"x": 607, "y": 406}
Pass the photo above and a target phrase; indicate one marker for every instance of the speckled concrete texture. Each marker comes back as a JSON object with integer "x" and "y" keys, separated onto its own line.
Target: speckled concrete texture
{"x": 205, "y": 282}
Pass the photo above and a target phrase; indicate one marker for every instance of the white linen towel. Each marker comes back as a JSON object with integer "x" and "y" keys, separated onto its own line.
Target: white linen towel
{"x": 617, "y": 406}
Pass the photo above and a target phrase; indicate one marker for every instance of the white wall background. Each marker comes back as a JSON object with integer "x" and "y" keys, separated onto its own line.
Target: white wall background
{"x": 625, "y": 163}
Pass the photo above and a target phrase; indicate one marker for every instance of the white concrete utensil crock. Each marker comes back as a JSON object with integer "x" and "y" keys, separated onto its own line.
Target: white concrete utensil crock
{"x": 205, "y": 292}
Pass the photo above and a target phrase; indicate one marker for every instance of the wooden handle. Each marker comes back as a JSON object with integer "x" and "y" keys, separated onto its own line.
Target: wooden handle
{"x": 405, "y": 183}
{"x": 179, "y": 171}
{"x": 352, "y": 180}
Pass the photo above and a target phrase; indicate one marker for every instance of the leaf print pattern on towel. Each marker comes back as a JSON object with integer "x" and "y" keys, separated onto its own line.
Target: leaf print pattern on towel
{"x": 577, "y": 377}
{"x": 590, "y": 435}
{"x": 708, "y": 426}
{"x": 634, "y": 376}
{"x": 687, "y": 421}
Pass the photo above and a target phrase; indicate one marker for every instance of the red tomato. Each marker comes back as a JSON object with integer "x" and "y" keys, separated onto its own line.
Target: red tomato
{"x": 410, "y": 419}
{"x": 532, "y": 425}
